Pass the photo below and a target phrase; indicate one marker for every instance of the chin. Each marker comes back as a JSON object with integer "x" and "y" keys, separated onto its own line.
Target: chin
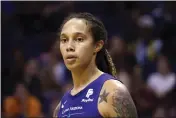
{"x": 71, "y": 67}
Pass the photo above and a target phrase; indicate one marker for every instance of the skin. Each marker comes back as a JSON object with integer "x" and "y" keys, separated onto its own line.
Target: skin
{"x": 76, "y": 39}
{"x": 115, "y": 101}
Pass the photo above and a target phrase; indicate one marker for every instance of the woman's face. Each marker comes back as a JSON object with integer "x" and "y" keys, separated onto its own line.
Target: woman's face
{"x": 76, "y": 43}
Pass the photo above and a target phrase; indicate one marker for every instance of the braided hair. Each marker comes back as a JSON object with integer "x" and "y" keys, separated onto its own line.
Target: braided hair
{"x": 103, "y": 60}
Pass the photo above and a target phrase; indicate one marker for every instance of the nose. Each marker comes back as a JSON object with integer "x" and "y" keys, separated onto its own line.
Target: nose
{"x": 70, "y": 47}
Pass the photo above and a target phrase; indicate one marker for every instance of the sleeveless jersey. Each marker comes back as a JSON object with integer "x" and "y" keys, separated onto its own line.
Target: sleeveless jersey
{"x": 84, "y": 103}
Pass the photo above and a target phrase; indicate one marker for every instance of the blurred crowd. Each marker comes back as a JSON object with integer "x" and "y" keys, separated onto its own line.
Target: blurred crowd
{"x": 141, "y": 43}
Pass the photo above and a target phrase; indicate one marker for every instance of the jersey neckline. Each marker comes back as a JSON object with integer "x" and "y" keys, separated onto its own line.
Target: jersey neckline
{"x": 80, "y": 93}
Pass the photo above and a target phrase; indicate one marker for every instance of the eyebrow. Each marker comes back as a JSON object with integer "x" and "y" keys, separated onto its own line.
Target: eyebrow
{"x": 76, "y": 33}
{"x": 63, "y": 34}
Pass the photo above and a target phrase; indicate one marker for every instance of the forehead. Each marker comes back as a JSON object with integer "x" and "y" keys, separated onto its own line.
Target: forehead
{"x": 75, "y": 25}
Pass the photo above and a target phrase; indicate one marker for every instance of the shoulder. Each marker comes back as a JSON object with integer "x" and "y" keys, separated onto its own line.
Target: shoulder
{"x": 115, "y": 100}
{"x": 57, "y": 107}
{"x": 172, "y": 75}
{"x": 155, "y": 74}
{"x": 56, "y": 110}
{"x": 153, "y": 77}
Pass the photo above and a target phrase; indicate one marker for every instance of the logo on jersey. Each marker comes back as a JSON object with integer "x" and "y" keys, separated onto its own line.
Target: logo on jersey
{"x": 89, "y": 93}
{"x": 63, "y": 104}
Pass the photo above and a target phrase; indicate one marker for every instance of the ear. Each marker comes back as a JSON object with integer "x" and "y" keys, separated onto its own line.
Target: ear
{"x": 98, "y": 46}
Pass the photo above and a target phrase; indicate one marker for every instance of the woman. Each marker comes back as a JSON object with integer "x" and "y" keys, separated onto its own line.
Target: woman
{"x": 95, "y": 93}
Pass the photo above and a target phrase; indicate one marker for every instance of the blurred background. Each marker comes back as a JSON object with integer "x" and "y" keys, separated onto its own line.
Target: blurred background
{"x": 141, "y": 43}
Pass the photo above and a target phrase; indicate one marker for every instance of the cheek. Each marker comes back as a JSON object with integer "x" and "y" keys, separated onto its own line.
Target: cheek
{"x": 61, "y": 50}
{"x": 86, "y": 53}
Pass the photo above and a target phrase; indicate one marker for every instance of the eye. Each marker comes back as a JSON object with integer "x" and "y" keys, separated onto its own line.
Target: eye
{"x": 79, "y": 39}
{"x": 63, "y": 40}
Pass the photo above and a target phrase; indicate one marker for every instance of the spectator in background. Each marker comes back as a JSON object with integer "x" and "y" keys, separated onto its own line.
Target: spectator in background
{"x": 22, "y": 103}
{"x": 32, "y": 80}
{"x": 16, "y": 70}
{"x": 162, "y": 83}
{"x": 147, "y": 46}
{"x": 137, "y": 82}
{"x": 125, "y": 78}
{"x": 51, "y": 64}
{"x": 123, "y": 59}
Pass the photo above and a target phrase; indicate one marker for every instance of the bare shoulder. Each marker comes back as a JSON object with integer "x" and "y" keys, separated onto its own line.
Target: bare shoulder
{"x": 115, "y": 101}
{"x": 56, "y": 110}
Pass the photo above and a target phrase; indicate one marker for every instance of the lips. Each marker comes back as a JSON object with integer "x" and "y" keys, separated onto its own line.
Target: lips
{"x": 71, "y": 57}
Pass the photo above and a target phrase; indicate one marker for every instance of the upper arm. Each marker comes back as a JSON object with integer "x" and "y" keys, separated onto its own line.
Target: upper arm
{"x": 115, "y": 101}
{"x": 56, "y": 110}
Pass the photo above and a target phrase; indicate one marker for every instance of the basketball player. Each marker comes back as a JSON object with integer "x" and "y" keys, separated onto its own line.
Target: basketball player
{"x": 96, "y": 93}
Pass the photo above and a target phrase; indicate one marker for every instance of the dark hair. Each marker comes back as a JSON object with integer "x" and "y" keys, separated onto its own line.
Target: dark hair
{"x": 103, "y": 60}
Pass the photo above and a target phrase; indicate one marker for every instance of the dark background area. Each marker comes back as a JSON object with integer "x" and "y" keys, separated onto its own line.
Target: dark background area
{"x": 141, "y": 42}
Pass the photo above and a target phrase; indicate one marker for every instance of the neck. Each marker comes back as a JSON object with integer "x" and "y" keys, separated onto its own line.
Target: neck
{"x": 85, "y": 75}
{"x": 165, "y": 73}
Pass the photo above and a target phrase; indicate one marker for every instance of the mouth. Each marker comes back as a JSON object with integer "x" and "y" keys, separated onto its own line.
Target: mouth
{"x": 71, "y": 58}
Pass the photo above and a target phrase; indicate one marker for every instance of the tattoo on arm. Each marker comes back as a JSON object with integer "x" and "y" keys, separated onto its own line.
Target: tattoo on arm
{"x": 123, "y": 105}
{"x": 103, "y": 96}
